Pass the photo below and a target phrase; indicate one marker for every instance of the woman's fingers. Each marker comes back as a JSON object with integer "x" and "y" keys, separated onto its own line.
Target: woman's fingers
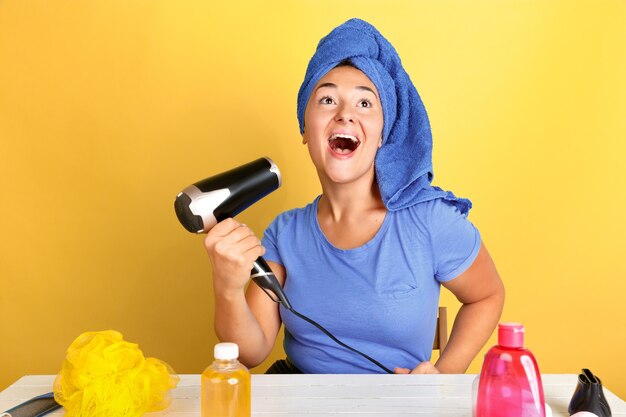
{"x": 229, "y": 233}
{"x": 233, "y": 247}
{"x": 250, "y": 248}
{"x": 229, "y": 230}
{"x": 423, "y": 368}
{"x": 224, "y": 227}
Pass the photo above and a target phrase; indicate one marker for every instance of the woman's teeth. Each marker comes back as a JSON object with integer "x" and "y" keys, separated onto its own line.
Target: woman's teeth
{"x": 343, "y": 144}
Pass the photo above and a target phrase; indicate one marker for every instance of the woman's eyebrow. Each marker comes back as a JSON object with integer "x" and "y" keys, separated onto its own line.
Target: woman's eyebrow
{"x": 366, "y": 88}
{"x": 326, "y": 85}
{"x": 358, "y": 87}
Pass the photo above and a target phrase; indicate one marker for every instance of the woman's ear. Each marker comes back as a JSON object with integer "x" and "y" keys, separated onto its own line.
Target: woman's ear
{"x": 304, "y": 141}
{"x": 380, "y": 142}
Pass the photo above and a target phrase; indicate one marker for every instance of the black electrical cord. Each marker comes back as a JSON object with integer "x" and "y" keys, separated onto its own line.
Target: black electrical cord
{"x": 329, "y": 334}
{"x": 263, "y": 276}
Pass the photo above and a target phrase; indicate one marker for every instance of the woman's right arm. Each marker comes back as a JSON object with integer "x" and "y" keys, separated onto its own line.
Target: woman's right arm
{"x": 249, "y": 318}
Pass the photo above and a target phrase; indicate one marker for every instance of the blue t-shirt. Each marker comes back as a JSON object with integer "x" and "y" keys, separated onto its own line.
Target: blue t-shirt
{"x": 380, "y": 298}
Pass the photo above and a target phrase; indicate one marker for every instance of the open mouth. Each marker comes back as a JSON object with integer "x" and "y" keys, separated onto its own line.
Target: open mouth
{"x": 343, "y": 144}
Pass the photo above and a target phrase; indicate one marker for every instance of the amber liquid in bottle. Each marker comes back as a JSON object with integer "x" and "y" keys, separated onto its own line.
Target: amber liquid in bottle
{"x": 226, "y": 389}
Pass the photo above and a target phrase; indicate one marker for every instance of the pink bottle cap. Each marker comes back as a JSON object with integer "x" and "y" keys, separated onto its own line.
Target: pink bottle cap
{"x": 511, "y": 335}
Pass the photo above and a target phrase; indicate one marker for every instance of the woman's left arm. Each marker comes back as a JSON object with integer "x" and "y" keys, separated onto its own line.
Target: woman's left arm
{"x": 481, "y": 291}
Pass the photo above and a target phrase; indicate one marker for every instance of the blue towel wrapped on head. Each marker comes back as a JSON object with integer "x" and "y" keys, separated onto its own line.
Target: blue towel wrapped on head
{"x": 404, "y": 162}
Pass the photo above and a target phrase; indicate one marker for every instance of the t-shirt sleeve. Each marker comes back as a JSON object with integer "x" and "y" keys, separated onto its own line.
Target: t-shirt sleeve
{"x": 455, "y": 241}
{"x": 270, "y": 242}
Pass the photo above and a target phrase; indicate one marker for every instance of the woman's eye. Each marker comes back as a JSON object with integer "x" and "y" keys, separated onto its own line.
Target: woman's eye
{"x": 365, "y": 103}
{"x": 326, "y": 100}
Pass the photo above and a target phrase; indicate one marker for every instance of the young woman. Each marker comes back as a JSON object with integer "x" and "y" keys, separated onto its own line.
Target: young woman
{"x": 367, "y": 257}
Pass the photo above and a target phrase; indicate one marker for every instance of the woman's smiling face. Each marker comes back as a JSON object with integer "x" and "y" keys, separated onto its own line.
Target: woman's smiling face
{"x": 343, "y": 124}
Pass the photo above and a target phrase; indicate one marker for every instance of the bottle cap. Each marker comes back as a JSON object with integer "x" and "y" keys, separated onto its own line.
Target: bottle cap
{"x": 511, "y": 335}
{"x": 226, "y": 351}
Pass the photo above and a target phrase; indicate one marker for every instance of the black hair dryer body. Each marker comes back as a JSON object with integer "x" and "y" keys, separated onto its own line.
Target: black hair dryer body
{"x": 203, "y": 204}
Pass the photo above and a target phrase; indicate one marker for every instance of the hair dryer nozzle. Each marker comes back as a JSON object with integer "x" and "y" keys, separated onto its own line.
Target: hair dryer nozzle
{"x": 202, "y": 205}
{"x": 190, "y": 221}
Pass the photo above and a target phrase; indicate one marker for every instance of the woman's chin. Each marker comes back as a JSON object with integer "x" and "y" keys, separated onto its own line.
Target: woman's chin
{"x": 345, "y": 175}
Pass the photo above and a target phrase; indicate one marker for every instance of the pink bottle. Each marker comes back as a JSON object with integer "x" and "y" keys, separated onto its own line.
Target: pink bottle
{"x": 510, "y": 382}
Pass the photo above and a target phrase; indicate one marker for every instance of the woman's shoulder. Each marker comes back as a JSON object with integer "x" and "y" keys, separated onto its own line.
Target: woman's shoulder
{"x": 424, "y": 208}
{"x": 436, "y": 206}
{"x": 430, "y": 213}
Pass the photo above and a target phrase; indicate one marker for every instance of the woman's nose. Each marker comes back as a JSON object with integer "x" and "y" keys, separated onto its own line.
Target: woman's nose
{"x": 345, "y": 114}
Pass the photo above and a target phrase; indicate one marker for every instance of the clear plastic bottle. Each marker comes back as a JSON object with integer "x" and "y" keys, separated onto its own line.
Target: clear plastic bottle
{"x": 475, "y": 383}
{"x": 226, "y": 384}
{"x": 510, "y": 382}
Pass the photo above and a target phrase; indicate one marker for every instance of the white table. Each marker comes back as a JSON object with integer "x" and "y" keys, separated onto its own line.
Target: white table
{"x": 322, "y": 395}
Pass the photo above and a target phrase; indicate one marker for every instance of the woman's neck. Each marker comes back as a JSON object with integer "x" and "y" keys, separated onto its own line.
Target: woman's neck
{"x": 344, "y": 201}
{"x": 350, "y": 216}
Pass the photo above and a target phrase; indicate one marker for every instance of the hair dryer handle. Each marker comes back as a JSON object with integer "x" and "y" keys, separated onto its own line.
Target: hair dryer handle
{"x": 263, "y": 276}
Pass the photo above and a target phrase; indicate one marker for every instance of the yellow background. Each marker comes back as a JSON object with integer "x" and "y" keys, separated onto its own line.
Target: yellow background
{"x": 109, "y": 108}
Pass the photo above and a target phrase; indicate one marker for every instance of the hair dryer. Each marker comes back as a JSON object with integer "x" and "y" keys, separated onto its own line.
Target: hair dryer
{"x": 203, "y": 204}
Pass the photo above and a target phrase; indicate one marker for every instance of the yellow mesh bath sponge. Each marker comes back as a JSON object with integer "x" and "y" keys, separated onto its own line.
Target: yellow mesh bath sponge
{"x": 105, "y": 376}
